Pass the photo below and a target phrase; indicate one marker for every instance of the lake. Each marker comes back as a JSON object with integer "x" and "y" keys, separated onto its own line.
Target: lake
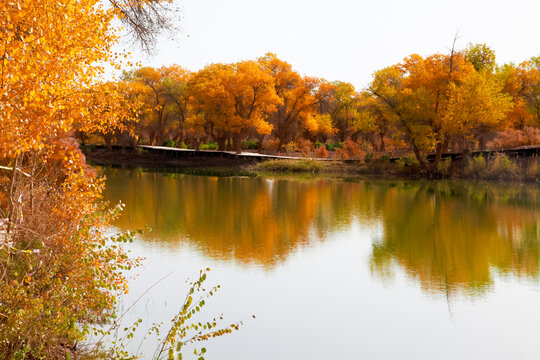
{"x": 338, "y": 269}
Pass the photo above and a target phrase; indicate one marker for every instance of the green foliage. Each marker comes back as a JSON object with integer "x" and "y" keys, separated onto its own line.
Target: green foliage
{"x": 171, "y": 143}
{"x": 443, "y": 167}
{"x": 499, "y": 167}
{"x": 368, "y": 157}
{"x": 175, "y": 144}
{"x": 407, "y": 161}
{"x": 318, "y": 144}
{"x": 334, "y": 146}
{"x": 385, "y": 157}
{"x": 476, "y": 166}
{"x": 250, "y": 144}
{"x": 209, "y": 146}
{"x": 185, "y": 329}
{"x": 290, "y": 166}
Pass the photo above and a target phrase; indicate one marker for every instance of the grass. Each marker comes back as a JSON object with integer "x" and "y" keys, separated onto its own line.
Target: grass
{"x": 291, "y": 166}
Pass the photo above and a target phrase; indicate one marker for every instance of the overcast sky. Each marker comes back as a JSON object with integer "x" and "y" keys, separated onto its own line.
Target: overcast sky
{"x": 344, "y": 39}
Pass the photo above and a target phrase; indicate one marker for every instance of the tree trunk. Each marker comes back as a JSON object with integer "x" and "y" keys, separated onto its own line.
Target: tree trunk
{"x": 382, "y": 146}
{"x": 221, "y": 143}
{"x": 420, "y": 159}
{"x": 238, "y": 143}
{"x": 260, "y": 140}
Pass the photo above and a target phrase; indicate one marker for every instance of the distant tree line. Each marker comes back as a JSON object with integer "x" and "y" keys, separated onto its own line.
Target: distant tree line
{"x": 461, "y": 101}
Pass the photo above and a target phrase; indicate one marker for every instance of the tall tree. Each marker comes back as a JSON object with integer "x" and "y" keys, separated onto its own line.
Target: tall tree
{"x": 297, "y": 99}
{"x": 232, "y": 100}
{"x": 425, "y": 96}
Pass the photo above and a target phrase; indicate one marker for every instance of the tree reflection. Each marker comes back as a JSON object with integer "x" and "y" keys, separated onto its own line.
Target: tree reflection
{"x": 449, "y": 237}
{"x": 251, "y": 220}
{"x": 453, "y": 237}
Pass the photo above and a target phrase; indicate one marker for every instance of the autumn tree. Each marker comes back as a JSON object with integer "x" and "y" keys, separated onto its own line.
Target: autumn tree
{"x": 522, "y": 83}
{"x": 165, "y": 97}
{"x": 56, "y": 275}
{"x": 374, "y": 121}
{"x": 424, "y": 95}
{"x": 480, "y": 56}
{"x": 339, "y": 100}
{"x": 231, "y": 100}
{"x": 298, "y": 102}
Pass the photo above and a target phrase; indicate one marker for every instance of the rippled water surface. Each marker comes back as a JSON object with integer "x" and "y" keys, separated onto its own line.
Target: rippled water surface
{"x": 335, "y": 269}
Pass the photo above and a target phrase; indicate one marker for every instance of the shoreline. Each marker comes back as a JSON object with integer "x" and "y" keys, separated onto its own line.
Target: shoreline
{"x": 127, "y": 158}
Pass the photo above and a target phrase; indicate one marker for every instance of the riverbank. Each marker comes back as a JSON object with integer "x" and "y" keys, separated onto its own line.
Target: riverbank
{"x": 496, "y": 167}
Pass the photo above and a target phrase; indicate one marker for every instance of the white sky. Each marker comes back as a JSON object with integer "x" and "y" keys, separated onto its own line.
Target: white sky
{"x": 344, "y": 39}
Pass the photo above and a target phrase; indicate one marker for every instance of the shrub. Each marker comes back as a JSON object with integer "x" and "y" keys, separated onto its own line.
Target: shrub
{"x": 334, "y": 146}
{"x": 443, "y": 167}
{"x": 306, "y": 148}
{"x": 476, "y": 166}
{"x": 171, "y": 143}
{"x": 500, "y": 167}
{"x": 292, "y": 147}
{"x": 271, "y": 145}
{"x": 351, "y": 151}
{"x": 532, "y": 169}
{"x": 405, "y": 161}
{"x": 183, "y": 145}
{"x": 515, "y": 138}
{"x": 250, "y": 144}
{"x": 321, "y": 153}
{"x": 209, "y": 146}
{"x": 369, "y": 156}
{"x": 318, "y": 144}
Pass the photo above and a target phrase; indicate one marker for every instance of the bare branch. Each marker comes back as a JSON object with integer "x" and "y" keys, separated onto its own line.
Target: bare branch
{"x": 145, "y": 20}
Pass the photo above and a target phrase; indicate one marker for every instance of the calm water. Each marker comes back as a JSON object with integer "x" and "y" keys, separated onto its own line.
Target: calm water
{"x": 340, "y": 270}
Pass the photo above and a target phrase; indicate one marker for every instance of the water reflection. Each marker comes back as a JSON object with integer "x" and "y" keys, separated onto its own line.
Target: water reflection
{"x": 250, "y": 220}
{"x": 448, "y": 237}
{"x": 454, "y": 237}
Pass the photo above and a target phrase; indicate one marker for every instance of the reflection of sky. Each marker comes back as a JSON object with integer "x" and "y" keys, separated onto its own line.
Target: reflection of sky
{"x": 324, "y": 303}
{"x": 323, "y": 299}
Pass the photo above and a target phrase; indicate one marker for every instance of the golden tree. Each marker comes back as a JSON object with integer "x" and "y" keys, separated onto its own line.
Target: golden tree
{"x": 56, "y": 275}
{"x": 425, "y": 95}
{"x": 231, "y": 100}
{"x": 297, "y": 99}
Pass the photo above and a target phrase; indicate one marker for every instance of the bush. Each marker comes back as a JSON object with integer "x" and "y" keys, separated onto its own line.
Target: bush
{"x": 209, "y": 146}
{"x": 443, "y": 167}
{"x": 498, "y": 167}
{"x": 532, "y": 170}
{"x": 271, "y": 145}
{"x": 514, "y": 138}
{"x": 306, "y": 147}
{"x": 292, "y": 147}
{"x": 334, "y": 146}
{"x": 318, "y": 144}
{"x": 170, "y": 143}
{"x": 321, "y": 153}
{"x": 250, "y": 144}
{"x": 351, "y": 151}
{"x": 405, "y": 161}
{"x": 476, "y": 166}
